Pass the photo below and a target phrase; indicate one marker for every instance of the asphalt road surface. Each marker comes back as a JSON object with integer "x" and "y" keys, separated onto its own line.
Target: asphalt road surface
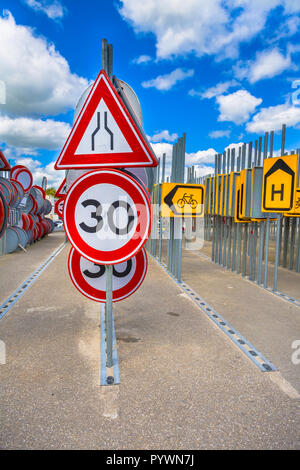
{"x": 184, "y": 383}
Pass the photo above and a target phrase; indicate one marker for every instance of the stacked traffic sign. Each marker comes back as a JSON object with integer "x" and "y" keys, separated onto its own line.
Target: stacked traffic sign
{"x": 23, "y": 208}
{"x": 106, "y": 211}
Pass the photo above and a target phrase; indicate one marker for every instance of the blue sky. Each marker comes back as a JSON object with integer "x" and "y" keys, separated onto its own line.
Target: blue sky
{"x": 222, "y": 71}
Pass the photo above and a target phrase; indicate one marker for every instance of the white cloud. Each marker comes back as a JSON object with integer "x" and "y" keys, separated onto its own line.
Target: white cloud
{"x": 37, "y": 78}
{"x": 16, "y": 152}
{"x": 202, "y": 27}
{"x": 200, "y": 157}
{"x": 237, "y": 106}
{"x": 164, "y": 135}
{"x": 272, "y": 118}
{"x": 38, "y": 171}
{"x": 235, "y": 146}
{"x": 142, "y": 59}
{"x": 215, "y": 90}
{"x": 286, "y": 29}
{"x": 267, "y": 64}
{"x": 33, "y": 133}
{"x": 162, "y": 147}
{"x": 203, "y": 170}
{"x": 30, "y": 163}
{"x": 53, "y": 9}
{"x": 194, "y": 158}
{"x": 166, "y": 82}
{"x": 218, "y": 134}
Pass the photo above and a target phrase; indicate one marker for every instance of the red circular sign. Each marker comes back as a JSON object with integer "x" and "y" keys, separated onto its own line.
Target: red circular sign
{"x": 23, "y": 176}
{"x": 107, "y": 216}
{"x": 89, "y": 277}
{"x": 3, "y": 214}
{"x": 59, "y": 207}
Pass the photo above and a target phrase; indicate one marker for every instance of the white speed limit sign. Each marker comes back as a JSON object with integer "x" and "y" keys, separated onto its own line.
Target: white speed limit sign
{"x": 107, "y": 216}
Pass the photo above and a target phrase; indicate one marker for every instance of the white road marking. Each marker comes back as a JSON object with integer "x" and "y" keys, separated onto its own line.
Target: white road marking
{"x": 284, "y": 385}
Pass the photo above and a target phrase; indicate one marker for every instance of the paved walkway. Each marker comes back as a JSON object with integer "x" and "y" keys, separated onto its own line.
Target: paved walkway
{"x": 184, "y": 384}
{"x": 288, "y": 281}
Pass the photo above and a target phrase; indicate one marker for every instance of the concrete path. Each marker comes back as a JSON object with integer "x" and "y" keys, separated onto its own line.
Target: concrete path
{"x": 17, "y": 266}
{"x": 288, "y": 281}
{"x": 184, "y": 384}
{"x": 268, "y": 322}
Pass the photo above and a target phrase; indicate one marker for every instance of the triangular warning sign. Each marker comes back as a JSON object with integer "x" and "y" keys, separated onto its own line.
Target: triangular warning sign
{"x": 62, "y": 190}
{"x": 104, "y": 134}
{"x": 4, "y": 165}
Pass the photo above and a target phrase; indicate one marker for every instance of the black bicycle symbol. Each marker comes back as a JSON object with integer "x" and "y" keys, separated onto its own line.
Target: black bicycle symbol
{"x": 187, "y": 199}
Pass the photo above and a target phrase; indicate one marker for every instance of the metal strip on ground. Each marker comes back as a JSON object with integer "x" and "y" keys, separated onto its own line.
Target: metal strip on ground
{"x": 17, "y": 294}
{"x": 247, "y": 348}
{"x": 104, "y": 378}
{"x": 281, "y": 295}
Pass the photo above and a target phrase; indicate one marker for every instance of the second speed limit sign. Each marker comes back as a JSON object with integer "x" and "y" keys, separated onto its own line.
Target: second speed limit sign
{"x": 89, "y": 278}
{"x": 107, "y": 216}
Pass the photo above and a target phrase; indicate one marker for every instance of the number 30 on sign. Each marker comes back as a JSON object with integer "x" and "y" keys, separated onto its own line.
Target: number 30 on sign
{"x": 107, "y": 216}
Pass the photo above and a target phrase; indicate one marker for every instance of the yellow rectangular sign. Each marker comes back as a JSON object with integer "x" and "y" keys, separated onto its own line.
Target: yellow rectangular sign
{"x": 279, "y": 184}
{"x": 219, "y": 191}
{"x": 239, "y": 216}
{"x": 231, "y": 193}
{"x": 207, "y": 195}
{"x": 223, "y": 195}
{"x": 213, "y": 195}
{"x": 182, "y": 200}
{"x": 296, "y": 206}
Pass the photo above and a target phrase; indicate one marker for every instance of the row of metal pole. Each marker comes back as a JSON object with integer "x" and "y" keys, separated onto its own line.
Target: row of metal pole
{"x": 240, "y": 247}
{"x": 174, "y": 226}
{"x": 244, "y": 247}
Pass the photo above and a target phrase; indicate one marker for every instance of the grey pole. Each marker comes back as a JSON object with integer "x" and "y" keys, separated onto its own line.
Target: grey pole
{"x": 108, "y": 315}
{"x": 260, "y": 251}
{"x": 255, "y": 154}
{"x": 110, "y": 60}
{"x": 180, "y": 223}
{"x": 283, "y": 138}
{"x": 259, "y": 151}
{"x": 292, "y": 243}
{"x": 249, "y": 163}
{"x": 277, "y": 253}
{"x": 271, "y": 143}
{"x": 107, "y": 66}
{"x": 285, "y": 240}
{"x": 159, "y": 202}
{"x": 267, "y": 251}
{"x": 298, "y": 247}
{"x": 245, "y": 242}
{"x": 266, "y": 144}
{"x": 104, "y": 54}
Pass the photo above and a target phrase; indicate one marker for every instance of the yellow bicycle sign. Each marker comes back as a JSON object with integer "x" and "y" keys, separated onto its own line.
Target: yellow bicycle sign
{"x": 187, "y": 199}
{"x": 182, "y": 200}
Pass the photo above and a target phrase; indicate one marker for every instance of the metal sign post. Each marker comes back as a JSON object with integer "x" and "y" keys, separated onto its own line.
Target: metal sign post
{"x": 106, "y": 212}
{"x": 108, "y": 316}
